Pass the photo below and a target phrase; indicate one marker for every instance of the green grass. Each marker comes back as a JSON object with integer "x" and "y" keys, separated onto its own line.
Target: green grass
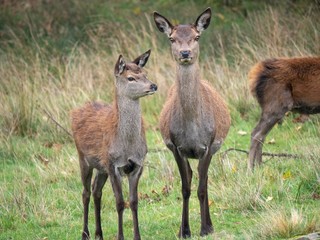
{"x": 58, "y": 55}
{"x": 45, "y": 196}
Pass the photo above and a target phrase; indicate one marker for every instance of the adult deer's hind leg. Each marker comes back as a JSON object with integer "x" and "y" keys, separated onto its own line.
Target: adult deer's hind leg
{"x": 273, "y": 111}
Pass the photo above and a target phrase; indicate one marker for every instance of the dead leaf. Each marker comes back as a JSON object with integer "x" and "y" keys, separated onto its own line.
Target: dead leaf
{"x": 143, "y": 196}
{"x": 271, "y": 141}
{"x": 57, "y": 147}
{"x": 269, "y": 198}
{"x": 286, "y": 175}
{"x": 166, "y": 190}
{"x": 234, "y": 168}
{"x": 219, "y": 15}
{"x": 126, "y": 204}
{"x": 242, "y": 133}
{"x": 42, "y": 159}
{"x": 155, "y": 192}
{"x": 315, "y": 196}
{"x": 137, "y": 11}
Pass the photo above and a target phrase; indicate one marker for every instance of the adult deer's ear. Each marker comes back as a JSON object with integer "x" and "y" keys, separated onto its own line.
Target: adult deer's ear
{"x": 120, "y": 66}
{"x": 142, "y": 59}
{"x": 203, "y": 20}
{"x": 162, "y": 23}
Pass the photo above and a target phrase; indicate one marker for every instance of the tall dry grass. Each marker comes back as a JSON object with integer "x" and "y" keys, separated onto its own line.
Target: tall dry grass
{"x": 36, "y": 80}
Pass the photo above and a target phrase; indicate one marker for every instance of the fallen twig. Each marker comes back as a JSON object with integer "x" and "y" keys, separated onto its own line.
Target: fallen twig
{"x": 285, "y": 155}
{"x": 56, "y": 122}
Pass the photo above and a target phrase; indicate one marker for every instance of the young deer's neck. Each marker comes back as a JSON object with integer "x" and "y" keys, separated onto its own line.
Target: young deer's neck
{"x": 129, "y": 117}
{"x": 188, "y": 81}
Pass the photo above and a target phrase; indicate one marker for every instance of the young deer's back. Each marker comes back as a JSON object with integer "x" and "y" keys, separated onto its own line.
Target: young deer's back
{"x": 95, "y": 130}
{"x": 94, "y": 126}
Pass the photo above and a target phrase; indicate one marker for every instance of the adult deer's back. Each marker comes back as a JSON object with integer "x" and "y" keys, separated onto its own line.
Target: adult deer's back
{"x": 195, "y": 119}
{"x": 282, "y": 85}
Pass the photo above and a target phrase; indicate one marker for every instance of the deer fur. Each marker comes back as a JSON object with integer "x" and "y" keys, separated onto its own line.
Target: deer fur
{"x": 111, "y": 139}
{"x": 282, "y": 85}
{"x": 195, "y": 119}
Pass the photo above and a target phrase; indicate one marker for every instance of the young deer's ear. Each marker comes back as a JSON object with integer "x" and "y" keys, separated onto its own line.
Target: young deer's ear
{"x": 143, "y": 59}
{"x": 203, "y": 20}
{"x": 120, "y": 66}
{"x": 162, "y": 24}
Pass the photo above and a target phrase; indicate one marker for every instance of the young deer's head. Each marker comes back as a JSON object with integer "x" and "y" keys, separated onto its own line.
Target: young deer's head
{"x": 184, "y": 38}
{"x": 131, "y": 80}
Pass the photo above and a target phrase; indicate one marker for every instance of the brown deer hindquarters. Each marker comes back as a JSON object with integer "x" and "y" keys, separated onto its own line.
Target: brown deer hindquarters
{"x": 111, "y": 139}
{"x": 281, "y": 85}
{"x": 194, "y": 120}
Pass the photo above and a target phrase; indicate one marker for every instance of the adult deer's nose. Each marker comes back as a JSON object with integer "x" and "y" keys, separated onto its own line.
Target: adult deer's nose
{"x": 185, "y": 53}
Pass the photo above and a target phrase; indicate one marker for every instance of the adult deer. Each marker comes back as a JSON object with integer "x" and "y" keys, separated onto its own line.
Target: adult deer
{"x": 111, "y": 139}
{"x": 195, "y": 119}
{"x": 282, "y": 85}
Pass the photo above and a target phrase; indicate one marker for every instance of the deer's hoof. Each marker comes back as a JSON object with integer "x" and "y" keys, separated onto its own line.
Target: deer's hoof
{"x": 206, "y": 230}
{"x": 184, "y": 233}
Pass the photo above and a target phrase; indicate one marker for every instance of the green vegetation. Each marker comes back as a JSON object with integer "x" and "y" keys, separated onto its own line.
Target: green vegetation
{"x": 56, "y": 55}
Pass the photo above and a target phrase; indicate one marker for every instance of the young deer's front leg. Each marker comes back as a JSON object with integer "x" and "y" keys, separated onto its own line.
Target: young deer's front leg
{"x": 133, "y": 189}
{"x": 86, "y": 175}
{"x": 97, "y": 186}
{"x": 115, "y": 179}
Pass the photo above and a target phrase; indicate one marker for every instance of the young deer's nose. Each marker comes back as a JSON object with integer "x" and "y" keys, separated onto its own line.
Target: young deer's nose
{"x": 185, "y": 53}
{"x": 153, "y": 87}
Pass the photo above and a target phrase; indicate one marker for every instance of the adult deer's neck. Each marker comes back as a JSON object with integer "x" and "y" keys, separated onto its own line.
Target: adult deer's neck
{"x": 129, "y": 118}
{"x": 188, "y": 81}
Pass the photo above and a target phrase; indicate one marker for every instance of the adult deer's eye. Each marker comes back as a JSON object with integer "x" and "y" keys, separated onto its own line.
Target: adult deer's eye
{"x": 172, "y": 40}
{"x": 130, "y": 79}
{"x": 197, "y": 38}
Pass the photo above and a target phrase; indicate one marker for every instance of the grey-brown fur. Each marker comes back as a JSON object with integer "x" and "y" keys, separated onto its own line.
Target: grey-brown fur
{"x": 195, "y": 119}
{"x": 111, "y": 139}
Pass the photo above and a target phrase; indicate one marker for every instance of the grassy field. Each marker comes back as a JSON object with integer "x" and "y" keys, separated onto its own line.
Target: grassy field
{"x": 57, "y": 55}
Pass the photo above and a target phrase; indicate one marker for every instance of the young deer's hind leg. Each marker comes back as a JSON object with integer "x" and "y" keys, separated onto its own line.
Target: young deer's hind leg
{"x": 272, "y": 112}
{"x": 86, "y": 175}
{"x": 97, "y": 186}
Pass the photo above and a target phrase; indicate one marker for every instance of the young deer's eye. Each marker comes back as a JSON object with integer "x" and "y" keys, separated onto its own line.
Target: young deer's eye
{"x": 130, "y": 79}
{"x": 172, "y": 40}
{"x": 197, "y": 38}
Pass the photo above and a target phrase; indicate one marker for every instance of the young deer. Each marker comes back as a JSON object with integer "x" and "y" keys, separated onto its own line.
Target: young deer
{"x": 282, "y": 85}
{"x": 195, "y": 119}
{"x": 111, "y": 139}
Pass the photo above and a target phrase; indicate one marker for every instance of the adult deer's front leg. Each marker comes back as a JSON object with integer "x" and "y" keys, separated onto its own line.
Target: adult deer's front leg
{"x": 206, "y": 224}
{"x": 115, "y": 179}
{"x": 186, "y": 177}
{"x": 133, "y": 188}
